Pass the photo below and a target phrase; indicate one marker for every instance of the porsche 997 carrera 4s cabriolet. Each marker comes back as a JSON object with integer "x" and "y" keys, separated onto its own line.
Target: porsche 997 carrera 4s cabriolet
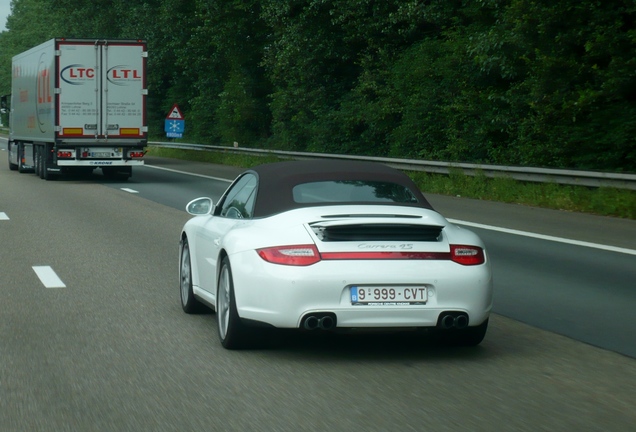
{"x": 332, "y": 246}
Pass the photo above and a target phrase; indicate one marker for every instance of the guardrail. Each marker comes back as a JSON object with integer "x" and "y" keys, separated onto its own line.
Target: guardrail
{"x": 539, "y": 175}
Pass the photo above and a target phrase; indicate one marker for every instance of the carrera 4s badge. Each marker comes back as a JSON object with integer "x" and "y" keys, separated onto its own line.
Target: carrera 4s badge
{"x": 403, "y": 246}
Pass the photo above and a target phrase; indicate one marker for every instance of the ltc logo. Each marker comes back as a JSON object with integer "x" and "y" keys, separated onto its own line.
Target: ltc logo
{"x": 77, "y": 74}
{"x": 123, "y": 75}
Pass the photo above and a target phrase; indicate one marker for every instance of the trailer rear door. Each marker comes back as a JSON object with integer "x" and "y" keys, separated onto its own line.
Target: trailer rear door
{"x": 102, "y": 89}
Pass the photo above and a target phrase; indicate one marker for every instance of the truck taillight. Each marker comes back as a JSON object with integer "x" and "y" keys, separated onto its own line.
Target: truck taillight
{"x": 64, "y": 154}
{"x": 136, "y": 154}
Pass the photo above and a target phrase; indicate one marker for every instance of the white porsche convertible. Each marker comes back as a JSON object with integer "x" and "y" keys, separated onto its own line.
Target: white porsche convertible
{"x": 331, "y": 246}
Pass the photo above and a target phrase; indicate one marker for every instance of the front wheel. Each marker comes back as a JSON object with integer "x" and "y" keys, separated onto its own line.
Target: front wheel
{"x": 188, "y": 302}
{"x": 232, "y": 332}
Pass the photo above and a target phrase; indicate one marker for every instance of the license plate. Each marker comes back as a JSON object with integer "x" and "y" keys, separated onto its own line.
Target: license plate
{"x": 100, "y": 154}
{"x": 388, "y": 296}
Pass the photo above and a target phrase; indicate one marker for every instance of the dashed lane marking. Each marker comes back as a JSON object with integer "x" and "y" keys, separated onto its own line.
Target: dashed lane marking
{"x": 48, "y": 277}
{"x": 3, "y": 216}
{"x": 129, "y": 190}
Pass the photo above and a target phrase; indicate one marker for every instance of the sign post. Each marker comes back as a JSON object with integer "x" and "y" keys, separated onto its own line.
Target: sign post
{"x": 175, "y": 123}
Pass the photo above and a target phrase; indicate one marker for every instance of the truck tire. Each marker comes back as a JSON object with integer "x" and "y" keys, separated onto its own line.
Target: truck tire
{"x": 117, "y": 173}
{"x": 109, "y": 172}
{"x": 12, "y": 166}
{"x": 21, "y": 168}
{"x": 36, "y": 160}
{"x": 44, "y": 163}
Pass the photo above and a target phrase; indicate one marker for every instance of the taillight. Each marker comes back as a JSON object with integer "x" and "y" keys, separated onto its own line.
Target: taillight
{"x": 385, "y": 256}
{"x": 467, "y": 255}
{"x": 305, "y": 255}
{"x": 64, "y": 154}
{"x": 297, "y": 255}
{"x": 136, "y": 154}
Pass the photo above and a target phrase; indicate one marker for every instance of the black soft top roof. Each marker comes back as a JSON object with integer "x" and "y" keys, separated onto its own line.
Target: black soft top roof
{"x": 276, "y": 181}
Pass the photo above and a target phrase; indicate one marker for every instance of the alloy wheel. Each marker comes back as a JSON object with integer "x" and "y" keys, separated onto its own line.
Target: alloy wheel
{"x": 185, "y": 274}
{"x": 223, "y": 302}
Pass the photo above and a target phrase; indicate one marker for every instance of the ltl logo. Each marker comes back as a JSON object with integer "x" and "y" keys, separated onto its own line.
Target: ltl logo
{"x": 123, "y": 75}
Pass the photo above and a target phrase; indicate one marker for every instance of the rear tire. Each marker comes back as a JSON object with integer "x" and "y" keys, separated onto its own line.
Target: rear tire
{"x": 108, "y": 172}
{"x": 117, "y": 173}
{"x": 232, "y": 332}
{"x": 21, "y": 168}
{"x": 36, "y": 162}
{"x": 189, "y": 303}
{"x": 44, "y": 163}
{"x": 126, "y": 173}
{"x": 468, "y": 337}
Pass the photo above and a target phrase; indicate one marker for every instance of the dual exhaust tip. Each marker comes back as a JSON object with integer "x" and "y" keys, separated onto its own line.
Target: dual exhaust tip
{"x": 322, "y": 321}
{"x": 456, "y": 320}
{"x": 327, "y": 321}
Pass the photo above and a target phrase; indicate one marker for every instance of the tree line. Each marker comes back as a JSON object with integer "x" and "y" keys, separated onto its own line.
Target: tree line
{"x": 511, "y": 82}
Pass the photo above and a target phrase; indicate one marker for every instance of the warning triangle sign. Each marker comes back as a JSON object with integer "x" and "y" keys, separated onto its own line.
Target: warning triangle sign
{"x": 175, "y": 113}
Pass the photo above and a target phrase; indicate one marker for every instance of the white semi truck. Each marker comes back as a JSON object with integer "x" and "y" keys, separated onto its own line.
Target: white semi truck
{"x": 77, "y": 105}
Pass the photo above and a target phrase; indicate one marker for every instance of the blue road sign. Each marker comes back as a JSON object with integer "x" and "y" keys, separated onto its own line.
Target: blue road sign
{"x": 174, "y": 128}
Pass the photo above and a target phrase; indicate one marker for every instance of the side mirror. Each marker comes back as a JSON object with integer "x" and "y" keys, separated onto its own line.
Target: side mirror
{"x": 200, "y": 206}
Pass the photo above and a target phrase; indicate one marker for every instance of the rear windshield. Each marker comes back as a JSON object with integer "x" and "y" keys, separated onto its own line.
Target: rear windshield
{"x": 352, "y": 191}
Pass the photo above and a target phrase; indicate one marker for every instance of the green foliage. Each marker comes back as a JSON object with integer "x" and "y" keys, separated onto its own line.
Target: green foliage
{"x": 601, "y": 201}
{"x": 240, "y": 117}
{"x": 222, "y": 158}
{"x": 511, "y": 82}
{"x": 24, "y": 32}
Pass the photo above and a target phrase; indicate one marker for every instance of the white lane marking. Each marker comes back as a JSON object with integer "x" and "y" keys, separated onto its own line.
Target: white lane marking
{"x": 129, "y": 190}
{"x": 48, "y": 277}
{"x": 472, "y": 224}
{"x": 188, "y": 173}
{"x": 3, "y": 216}
{"x": 546, "y": 237}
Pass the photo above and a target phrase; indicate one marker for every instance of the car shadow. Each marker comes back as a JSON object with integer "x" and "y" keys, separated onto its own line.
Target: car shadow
{"x": 353, "y": 346}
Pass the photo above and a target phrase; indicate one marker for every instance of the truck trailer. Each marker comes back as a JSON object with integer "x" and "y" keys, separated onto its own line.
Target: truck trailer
{"x": 77, "y": 105}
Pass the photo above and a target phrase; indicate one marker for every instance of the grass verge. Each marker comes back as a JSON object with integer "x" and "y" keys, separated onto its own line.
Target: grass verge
{"x": 601, "y": 201}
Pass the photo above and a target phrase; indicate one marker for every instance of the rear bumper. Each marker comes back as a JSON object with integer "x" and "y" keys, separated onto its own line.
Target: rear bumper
{"x": 99, "y": 163}
{"x": 281, "y": 296}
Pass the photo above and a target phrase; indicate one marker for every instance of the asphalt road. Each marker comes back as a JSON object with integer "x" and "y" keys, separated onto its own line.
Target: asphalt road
{"x": 586, "y": 293}
{"x": 112, "y": 350}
